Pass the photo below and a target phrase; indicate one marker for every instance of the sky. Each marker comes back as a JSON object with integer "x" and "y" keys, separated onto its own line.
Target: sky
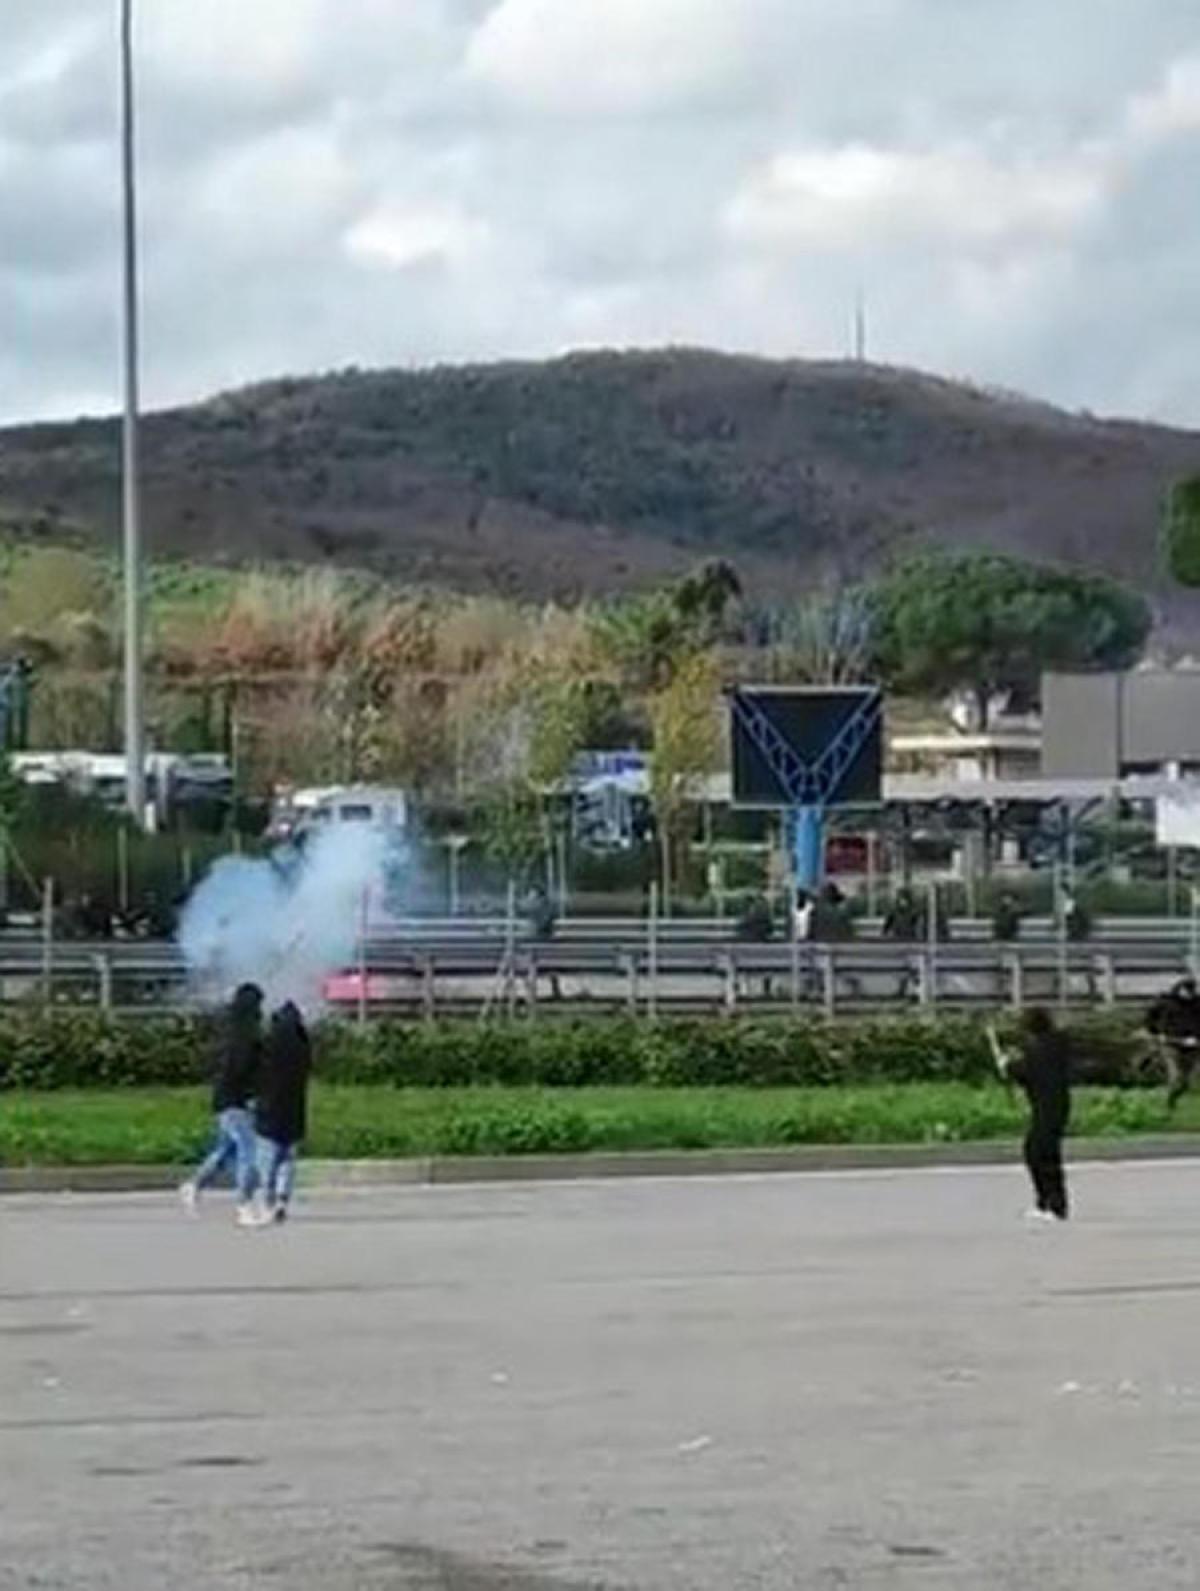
{"x": 1012, "y": 185}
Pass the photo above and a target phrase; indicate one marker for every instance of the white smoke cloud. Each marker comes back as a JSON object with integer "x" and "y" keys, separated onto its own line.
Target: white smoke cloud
{"x": 285, "y": 926}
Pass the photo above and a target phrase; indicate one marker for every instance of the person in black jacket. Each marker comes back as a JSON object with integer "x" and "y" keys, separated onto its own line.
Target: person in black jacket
{"x": 1043, "y": 1069}
{"x": 1174, "y": 1022}
{"x": 235, "y": 1082}
{"x": 281, "y": 1114}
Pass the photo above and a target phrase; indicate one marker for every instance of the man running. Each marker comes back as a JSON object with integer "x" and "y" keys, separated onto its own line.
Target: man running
{"x": 1174, "y": 1022}
{"x": 1042, "y": 1068}
{"x": 238, "y": 1061}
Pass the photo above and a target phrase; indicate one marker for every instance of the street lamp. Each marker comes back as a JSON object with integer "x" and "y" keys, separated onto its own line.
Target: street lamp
{"x": 135, "y": 754}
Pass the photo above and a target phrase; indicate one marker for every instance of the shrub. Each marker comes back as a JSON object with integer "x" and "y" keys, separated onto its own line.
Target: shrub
{"x": 89, "y": 1049}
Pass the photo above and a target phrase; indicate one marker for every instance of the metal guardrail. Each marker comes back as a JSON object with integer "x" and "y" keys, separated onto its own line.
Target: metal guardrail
{"x": 428, "y": 979}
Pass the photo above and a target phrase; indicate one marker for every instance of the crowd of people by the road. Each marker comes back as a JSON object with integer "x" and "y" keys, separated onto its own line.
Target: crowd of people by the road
{"x": 91, "y": 915}
{"x": 828, "y": 916}
{"x": 260, "y": 1106}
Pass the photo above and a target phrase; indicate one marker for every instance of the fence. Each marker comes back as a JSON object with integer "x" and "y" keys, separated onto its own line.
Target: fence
{"x": 428, "y": 978}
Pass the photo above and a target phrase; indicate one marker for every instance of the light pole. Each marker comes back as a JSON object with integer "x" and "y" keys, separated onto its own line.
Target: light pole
{"x": 135, "y": 754}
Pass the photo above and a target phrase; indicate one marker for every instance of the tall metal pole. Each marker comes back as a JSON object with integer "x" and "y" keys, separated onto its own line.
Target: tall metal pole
{"x": 135, "y": 767}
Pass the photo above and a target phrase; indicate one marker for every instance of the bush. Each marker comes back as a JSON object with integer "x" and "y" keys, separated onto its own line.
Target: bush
{"x": 88, "y": 1049}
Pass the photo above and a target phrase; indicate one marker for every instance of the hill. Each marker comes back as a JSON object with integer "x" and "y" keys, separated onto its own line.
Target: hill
{"x": 601, "y": 471}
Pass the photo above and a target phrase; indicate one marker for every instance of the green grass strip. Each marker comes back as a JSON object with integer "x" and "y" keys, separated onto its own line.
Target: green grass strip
{"x": 171, "y": 1126}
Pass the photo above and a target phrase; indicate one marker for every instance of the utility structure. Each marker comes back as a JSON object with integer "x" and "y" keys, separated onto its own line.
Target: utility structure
{"x": 131, "y": 531}
{"x": 805, "y": 750}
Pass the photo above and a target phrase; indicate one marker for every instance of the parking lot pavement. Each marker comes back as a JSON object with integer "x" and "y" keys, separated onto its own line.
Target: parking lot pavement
{"x": 858, "y": 1380}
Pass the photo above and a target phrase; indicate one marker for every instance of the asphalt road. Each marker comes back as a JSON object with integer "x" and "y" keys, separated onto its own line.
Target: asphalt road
{"x": 859, "y": 1380}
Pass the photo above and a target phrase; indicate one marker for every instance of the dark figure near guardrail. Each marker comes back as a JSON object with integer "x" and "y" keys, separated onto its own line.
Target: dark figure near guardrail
{"x": 1006, "y": 919}
{"x": 1173, "y": 1022}
{"x": 903, "y": 920}
{"x": 1076, "y": 918}
{"x": 755, "y": 926}
{"x": 832, "y": 923}
{"x": 541, "y": 914}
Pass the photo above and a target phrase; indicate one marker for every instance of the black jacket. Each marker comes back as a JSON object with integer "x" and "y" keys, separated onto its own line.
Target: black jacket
{"x": 239, "y": 1056}
{"x": 1175, "y": 1018}
{"x": 282, "y": 1111}
{"x": 1043, "y": 1070}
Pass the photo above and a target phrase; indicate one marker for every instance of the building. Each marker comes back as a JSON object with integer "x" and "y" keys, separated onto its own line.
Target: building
{"x": 1010, "y": 753}
{"x": 1120, "y": 726}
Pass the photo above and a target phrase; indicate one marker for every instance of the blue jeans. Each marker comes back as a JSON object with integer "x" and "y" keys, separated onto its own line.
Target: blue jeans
{"x": 234, "y": 1141}
{"x": 276, "y": 1171}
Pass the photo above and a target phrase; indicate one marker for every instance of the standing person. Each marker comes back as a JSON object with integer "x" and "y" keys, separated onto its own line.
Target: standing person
{"x": 803, "y": 911}
{"x": 281, "y": 1113}
{"x": 1006, "y": 920}
{"x": 1076, "y": 919}
{"x": 903, "y": 921}
{"x": 1043, "y": 1069}
{"x": 238, "y": 1061}
{"x": 903, "y": 924}
{"x": 1174, "y": 1021}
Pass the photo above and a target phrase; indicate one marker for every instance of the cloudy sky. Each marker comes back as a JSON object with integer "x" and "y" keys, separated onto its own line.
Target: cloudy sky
{"x": 1014, "y": 183}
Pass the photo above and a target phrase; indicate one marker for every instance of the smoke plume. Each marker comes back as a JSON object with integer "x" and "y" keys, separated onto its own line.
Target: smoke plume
{"x": 285, "y": 923}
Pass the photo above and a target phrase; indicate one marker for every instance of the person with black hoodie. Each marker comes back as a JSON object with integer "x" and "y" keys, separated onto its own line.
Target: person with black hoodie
{"x": 281, "y": 1112}
{"x": 1042, "y": 1068}
{"x": 238, "y": 1059}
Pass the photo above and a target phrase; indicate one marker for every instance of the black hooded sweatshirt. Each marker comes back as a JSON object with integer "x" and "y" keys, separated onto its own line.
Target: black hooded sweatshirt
{"x": 239, "y": 1053}
{"x": 282, "y": 1113}
{"x": 1043, "y": 1070}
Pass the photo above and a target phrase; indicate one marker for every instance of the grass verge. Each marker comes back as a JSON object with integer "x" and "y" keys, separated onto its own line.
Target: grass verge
{"x": 171, "y": 1126}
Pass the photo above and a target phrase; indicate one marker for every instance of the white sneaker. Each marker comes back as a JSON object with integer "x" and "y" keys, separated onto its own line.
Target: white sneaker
{"x": 248, "y": 1215}
{"x": 189, "y": 1197}
{"x": 1039, "y": 1217}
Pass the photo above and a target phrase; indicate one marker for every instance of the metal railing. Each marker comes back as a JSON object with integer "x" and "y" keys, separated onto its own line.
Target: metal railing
{"x": 428, "y": 979}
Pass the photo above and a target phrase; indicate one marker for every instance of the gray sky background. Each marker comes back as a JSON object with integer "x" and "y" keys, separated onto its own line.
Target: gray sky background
{"x": 1015, "y": 183}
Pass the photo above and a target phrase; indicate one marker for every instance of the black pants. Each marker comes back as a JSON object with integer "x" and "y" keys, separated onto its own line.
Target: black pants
{"x": 1043, "y": 1156}
{"x": 1181, "y": 1062}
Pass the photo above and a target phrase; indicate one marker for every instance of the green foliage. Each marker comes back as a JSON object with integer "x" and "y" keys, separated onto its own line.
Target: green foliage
{"x": 77, "y": 1049}
{"x": 87, "y": 1049}
{"x": 826, "y": 638}
{"x": 12, "y": 795}
{"x": 172, "y": 1127}
{"x": 651, "y": 636}
{"x": 1181, "y": 531}
{"x": 988, "y": 623}
{"x": 510, "y": 829}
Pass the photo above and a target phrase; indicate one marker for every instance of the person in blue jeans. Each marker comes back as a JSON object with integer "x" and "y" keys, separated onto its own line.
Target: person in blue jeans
{"x": 238, "y": 1063}
{"x": 281, "y": 1111}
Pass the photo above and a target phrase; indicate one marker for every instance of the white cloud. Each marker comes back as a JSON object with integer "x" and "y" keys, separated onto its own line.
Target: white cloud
{"x": 610, "y": 56}
{"x": 1172, "y": 108}
{"x": 401, "y": 236}
{"x": 859, "y": 196}
{"x": 373, "y": 181}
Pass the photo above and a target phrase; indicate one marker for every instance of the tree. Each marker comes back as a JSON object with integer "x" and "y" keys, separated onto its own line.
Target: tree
{"x": 649, "y": 636}
{"x": 703, "y": 598}
{"x": 510, "y": 830}
{"x": 824, "y": 639}
{"x": 1181, "y": 531}
{"x": 987, "y": 623}
{"x": 686, "y": 729}
{"x": 12, "y": 798}
{"x": 12, "y": 794}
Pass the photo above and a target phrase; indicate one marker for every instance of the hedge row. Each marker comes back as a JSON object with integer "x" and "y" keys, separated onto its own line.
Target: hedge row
{"x": 56, "y": 1050}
